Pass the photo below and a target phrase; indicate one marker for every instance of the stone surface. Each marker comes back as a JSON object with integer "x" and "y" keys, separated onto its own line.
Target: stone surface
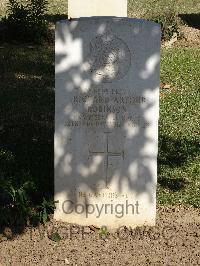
{"x": 106, "y": 121}
{"x": 89, "y": 8}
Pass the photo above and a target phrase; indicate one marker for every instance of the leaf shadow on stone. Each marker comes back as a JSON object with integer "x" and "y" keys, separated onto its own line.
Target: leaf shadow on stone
{"x": 138, "y": 185}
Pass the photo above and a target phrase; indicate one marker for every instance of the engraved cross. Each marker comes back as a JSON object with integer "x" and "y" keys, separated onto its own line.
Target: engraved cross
{"x": 107, "y": 154}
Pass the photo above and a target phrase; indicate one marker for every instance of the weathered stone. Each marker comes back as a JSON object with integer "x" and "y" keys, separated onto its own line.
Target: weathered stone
{"x": 106, "y": 121}
{"x": 89, "y": 8}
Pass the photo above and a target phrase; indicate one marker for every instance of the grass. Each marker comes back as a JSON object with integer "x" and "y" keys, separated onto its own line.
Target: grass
{"x": 179, "y": 140}
{"x": 136, "y": 8}
{"x": 27, "y": 120}
{"x": 26, "y": 124}
{"x": 55, "y": 7}
{"x": 144, "y": 8}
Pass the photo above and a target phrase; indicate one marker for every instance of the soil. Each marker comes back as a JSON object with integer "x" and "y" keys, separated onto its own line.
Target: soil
{"x": 173, "y": 241}
{"x": 190, "y": 37}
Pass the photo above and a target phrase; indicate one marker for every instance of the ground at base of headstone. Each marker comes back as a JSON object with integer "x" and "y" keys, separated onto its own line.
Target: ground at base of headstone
{"x": 173, "y": 241}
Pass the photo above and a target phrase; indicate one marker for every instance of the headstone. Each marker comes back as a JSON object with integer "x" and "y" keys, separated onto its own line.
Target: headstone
{"x": 106, "y": 121}
{"x": 88, "y": 8}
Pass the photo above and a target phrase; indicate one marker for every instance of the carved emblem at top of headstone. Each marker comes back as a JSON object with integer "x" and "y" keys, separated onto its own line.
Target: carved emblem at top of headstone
{"x": 109, "y": 58}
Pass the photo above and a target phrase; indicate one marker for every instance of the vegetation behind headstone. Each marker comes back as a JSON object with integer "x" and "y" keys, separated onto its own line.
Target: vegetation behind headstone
{"x": 170, "y": 24}
{"x": 25, "y": 22}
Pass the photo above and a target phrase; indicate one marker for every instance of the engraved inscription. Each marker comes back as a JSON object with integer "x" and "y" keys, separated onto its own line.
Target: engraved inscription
{"x": 96, "y": 106}
{"x": 109, "y": 195}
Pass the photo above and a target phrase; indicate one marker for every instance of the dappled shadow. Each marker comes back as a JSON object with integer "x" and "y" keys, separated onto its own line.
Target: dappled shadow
{"x": 174, "y": 185}
{"x": 26, "y": 127}
{"x": 106, "y": 108}
{"x": 55, "y": 17}
{"x": 192, "y": 20}
{"x": 175, "y": 153}
{"x": 27, "y": 116}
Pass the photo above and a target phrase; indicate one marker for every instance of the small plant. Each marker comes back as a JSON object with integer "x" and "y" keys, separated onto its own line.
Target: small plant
{"x": 170, "y": 24}
{"x": 55, "y": 237}
{"x": 17, "y": 193}
{"x": 103, "y": 232}
{"x": 15, "y": 199}
{"x": 26, "y": 22}
{"x": 44, "y": 210}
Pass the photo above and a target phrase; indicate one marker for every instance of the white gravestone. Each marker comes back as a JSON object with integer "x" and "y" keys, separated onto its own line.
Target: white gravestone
{"x": 106, "y": 121}
{"x": 88, "y": 8}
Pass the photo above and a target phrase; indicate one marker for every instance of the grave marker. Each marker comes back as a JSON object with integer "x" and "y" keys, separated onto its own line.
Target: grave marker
{"x": 106, "y": 121}
{"x": 89, "y": 8}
